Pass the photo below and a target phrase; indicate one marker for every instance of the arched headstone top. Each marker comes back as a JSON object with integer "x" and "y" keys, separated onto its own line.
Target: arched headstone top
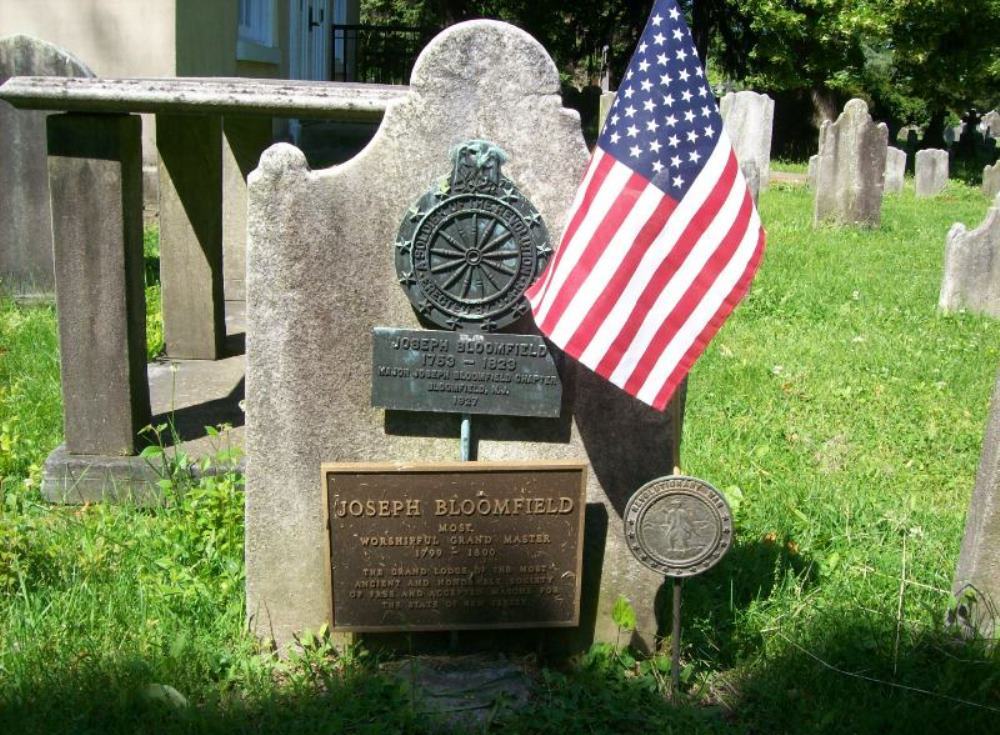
{"x": 469, "y": 55}
{"x": 22, "y": 55}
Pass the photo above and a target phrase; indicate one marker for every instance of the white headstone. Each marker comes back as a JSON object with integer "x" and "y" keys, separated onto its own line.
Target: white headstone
{"x": 850, "y": 170}
{"x": 321, "y": 276}
{"x": 811, "y": 174}
{"x": 749, "y": 118}
{"x": 895, "y": 170}
{"x": 972, "y": 267}
{"x": 931, "y": 172}
{"x": 991, "y": 124}
{"x": 991, "y": 180}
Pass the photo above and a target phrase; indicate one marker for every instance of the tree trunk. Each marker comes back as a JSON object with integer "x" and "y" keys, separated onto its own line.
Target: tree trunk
{"x": 701, "y": 27}
{"x": 934, "y": 133}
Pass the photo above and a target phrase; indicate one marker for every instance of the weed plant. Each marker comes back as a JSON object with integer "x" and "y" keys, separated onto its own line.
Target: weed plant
{"x": 839, "y": 411}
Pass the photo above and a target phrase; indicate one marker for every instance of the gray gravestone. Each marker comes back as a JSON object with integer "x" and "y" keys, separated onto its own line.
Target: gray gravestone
{"x": 895, "y": 170}
{"x": 931, "y": 172}
{"x": 321, "y": 276}
{"x": 25, "y": 214}
{"x": 850, "y": 170}
{"x": 752, "y": 175}
{"x": 953, "y": 134}
{"x": 811, "y": 174}
{"x": 991, "y": 180}
{"x": 972, "y": 267}
{"x": 990, "y": 124}
{"x": 749, "y": 118}
{"x": 977, "y": 577}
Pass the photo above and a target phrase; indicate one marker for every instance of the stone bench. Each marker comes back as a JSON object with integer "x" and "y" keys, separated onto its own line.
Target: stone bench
{"x": 210, "y": 133}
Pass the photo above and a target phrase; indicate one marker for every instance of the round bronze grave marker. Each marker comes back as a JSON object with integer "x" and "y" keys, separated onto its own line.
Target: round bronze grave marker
{"x": 678, "y": 526}
{"x": 468, "y": 249}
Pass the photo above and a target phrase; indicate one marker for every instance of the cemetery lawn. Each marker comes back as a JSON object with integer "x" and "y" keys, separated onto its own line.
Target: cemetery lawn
{"x": 841, "y": 414}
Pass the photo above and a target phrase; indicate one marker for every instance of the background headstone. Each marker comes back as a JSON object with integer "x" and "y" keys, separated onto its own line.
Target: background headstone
{"x": 895, "y": 170}
{"x": 607, "y": 99}
{"x": 749, "y": 119}
{"x": 977, "y": 577}
{"x": 931, "y": 172}
{"x": 811, "y": 174}
{"x": 850, "y": 170}
{"x": 972, "y": 267}
{"x": 25, "y": 214}
{"x": 953, "y": 134}
{"x": 321, "y": 275}
{"x": 991, "y": 180}
{"x": 991, "y": 124}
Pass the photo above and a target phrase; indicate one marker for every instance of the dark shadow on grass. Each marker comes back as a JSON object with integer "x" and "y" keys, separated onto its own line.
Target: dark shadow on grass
{"x": 844, "y": 673}
{"x": 809, "y": 681}
{"x": 713, "y": 602}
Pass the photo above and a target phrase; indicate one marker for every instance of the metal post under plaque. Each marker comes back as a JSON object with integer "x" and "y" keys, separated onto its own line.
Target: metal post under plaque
{"x": 678, "y": 526}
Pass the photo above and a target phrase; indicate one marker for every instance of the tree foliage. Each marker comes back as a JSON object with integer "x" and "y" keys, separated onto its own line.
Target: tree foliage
{"x": 913, "y": 60}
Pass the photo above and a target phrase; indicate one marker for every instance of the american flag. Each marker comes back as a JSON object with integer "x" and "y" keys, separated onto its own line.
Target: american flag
{"x": 663, "y": 238}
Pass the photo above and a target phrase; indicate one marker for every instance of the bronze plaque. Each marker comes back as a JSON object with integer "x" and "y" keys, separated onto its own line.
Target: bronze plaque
{"x": 458, "y": 372}
{"x": 679, "y": 526}
{"x": 457, "y": 546}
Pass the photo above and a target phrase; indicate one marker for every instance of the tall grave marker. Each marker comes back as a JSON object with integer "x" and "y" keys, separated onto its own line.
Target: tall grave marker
{"x": 977, "y": 577}
{"x": 322, "y": 276}
{"x": 850, "y": 168}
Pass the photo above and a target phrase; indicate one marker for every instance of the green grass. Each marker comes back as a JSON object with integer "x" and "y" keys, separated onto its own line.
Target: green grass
{"x": 839, "y": 411}
{"x": 794, "y": 167}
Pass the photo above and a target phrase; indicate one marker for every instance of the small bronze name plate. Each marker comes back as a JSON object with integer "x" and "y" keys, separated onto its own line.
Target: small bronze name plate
{"x": 457, "y": 372}
{"x": 462, "y": 546}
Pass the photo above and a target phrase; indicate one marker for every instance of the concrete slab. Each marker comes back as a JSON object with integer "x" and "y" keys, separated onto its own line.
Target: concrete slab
{"x": 192, "y": 394}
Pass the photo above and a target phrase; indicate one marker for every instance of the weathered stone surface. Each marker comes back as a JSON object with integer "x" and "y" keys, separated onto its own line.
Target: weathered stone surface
{"x": 95, "y": 166}
{"x": 749, "y": 118}
{"x": 320, "y": 276}
{"x": 194, "y": 314}
{"x": 813, "y": 167}
{"x": 850, "y": 170}
{"x": 931, "y": 172}
{"x": 752, "y": 175}
{"x": 895, "y": 170}
{"x": 990, "y": 124}
{"x": 607, "y": 99}
{"x": 204, "y": 96}
{"x": 991, "y": 180}
{"x": 972, "y": 267}
{"x": 25, "y": 215}
{"x": 978, "y": 570}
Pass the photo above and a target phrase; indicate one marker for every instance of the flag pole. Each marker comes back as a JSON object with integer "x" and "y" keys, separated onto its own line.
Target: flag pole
{"x": 675, "y": 642}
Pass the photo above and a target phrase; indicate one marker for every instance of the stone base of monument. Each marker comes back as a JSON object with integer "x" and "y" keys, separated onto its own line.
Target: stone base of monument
{"x": 463, "y": 690}
{"x": 188, "y": 395}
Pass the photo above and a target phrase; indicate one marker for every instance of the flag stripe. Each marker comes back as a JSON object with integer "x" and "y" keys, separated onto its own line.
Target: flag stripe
{"x": 660, "y": 277}
{"x": 683, "y": 366}
{"x": 678, "y": 310}
{"x": 616, "y": 231}
{"x": 626, "y": 283}
{"x": 616, "y": 179}
{"x": 600, "y": 164}
{"x": 598, "y": 295}
{"x": 680, "y": 280}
